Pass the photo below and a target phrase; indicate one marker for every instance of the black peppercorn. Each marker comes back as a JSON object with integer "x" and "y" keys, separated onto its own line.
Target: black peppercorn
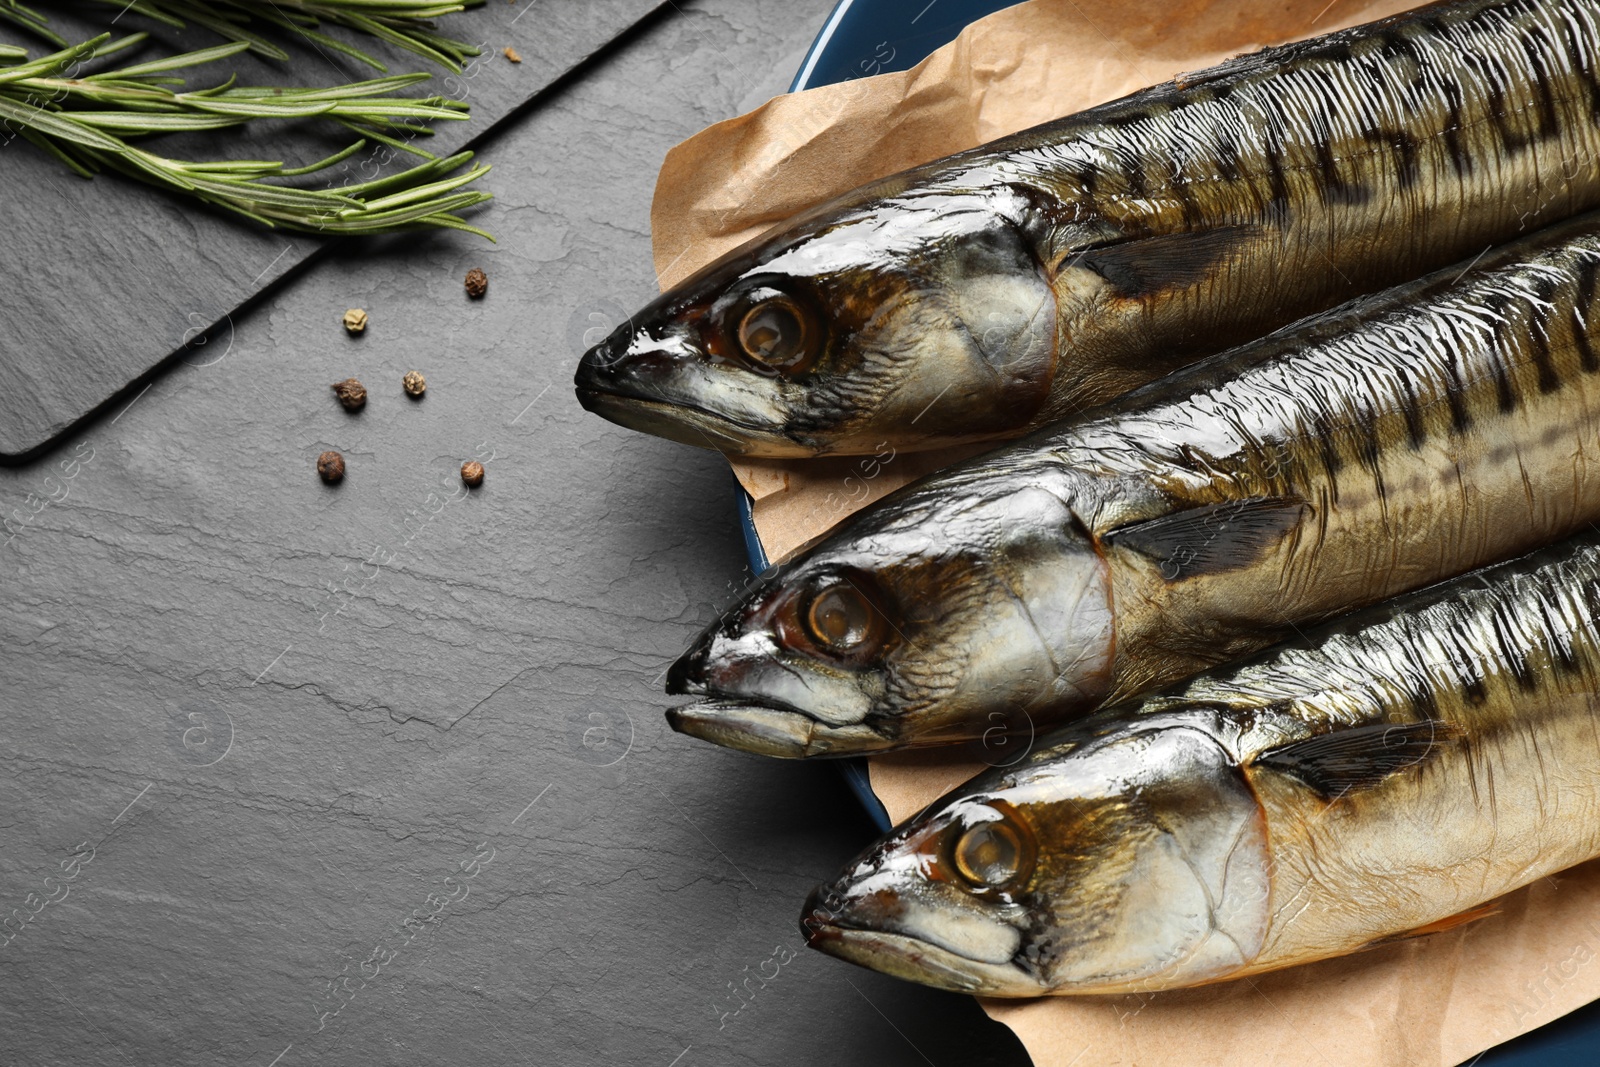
{"x": 351, "y": 393}
{"x": 330, "y": 467}
{"x": 472, "y": 473}
{"x": 477, "y": 283}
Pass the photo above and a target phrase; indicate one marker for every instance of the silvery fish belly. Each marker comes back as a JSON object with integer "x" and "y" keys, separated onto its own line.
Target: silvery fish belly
{"x": 1416, "y": 434}
{"x": 1006, "y": 287}
{"x": 1386, "y": 776}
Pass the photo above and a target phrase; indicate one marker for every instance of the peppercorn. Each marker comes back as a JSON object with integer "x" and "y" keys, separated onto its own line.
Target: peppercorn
{"x": 351, "y": 393}
{"x": 415, "y": 383}
{"x": 330, "y": 467}
{"x": 477, "y": 283}
{"x": 355, "y": 320}
{"x": 472, "y": 473}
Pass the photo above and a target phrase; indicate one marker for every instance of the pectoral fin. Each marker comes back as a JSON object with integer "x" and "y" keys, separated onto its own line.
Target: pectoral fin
{"x": 1145, "y": 266}
{"x": 1346, "y": 761}
{"x": 1439, "y": 926}
{"x": 1211, "y": 538}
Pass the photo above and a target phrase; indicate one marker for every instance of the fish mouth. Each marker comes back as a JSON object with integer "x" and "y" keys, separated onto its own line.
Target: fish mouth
{"x": 685, "y": 424}
{"x": 901, "y": 956}
{"x": 769, "y": 731}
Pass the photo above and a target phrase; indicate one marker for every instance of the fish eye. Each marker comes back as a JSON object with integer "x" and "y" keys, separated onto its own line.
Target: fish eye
{"x": 839, "y": 618}
{"x": 775, "y": 332}
{"x": 835, "y": 615}
{"x": 772, "y": 331}
{"x": 992, "y": 857}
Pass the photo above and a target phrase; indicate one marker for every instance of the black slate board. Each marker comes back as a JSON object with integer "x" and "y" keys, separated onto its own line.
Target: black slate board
{"x": 283, "y": 714}
{"x": 105, "y": 293}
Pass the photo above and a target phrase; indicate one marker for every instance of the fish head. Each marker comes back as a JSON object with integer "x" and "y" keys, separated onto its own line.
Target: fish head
{"x": 943, "y": 614}
{"x": 911, "y": 321}
{"x": 1129, "y": 862}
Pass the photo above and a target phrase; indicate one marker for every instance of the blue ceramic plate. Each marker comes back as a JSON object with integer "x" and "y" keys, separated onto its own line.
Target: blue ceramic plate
{"x": 866, "y": 37}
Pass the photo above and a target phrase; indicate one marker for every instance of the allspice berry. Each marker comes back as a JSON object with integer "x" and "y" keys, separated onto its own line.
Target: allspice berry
{"x": 351, "y": 393}
{"x": 355, "y": 320}
{"x": 415, "y": 383}
{"x": 477, "y": 283}
{"x": 472, "y": 473}
{"x": 330, "y": 467}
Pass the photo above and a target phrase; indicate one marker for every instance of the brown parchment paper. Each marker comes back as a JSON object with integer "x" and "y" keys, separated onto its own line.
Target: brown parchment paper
{"x": 1438, "y": 1000}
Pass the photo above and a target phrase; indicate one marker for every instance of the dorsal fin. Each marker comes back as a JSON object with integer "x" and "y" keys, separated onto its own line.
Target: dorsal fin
{"x": 1211, "y": 538}
{"x": 1349, "y": 760}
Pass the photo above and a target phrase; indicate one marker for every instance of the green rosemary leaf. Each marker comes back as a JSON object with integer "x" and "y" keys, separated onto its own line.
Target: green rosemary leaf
{"x": 86, "y": 122}
{"x": 31, "y": 20}
{"x": 50, "y": 124}
{"x": 404, "y": 23}
{"x": 322, "y": 164}
{"x": 50, "y": 64}
{"x": 426, "y": 192}
{"x": 409, "y": 41}
{"x": 153, "y": 12}
{"x": 51, "y": 148}
{"x": 373, "y": 87}
{"x": 450, "y": 222}
{"x": 373, "y": 133}
{"x": 420, "y": 173}
{"x": 135, "y": 123}
{"x": 318, "y": 39}
{"x": 229, "y": 28}
{"x": 178, "y": 62}
{"x": 283, "y": 196}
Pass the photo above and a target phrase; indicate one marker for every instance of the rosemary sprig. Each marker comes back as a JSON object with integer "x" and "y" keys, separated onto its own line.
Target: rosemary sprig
{"x": 405, "y": 24}
{"x": 29, "y": 19}
{"x": 86, "y": 122}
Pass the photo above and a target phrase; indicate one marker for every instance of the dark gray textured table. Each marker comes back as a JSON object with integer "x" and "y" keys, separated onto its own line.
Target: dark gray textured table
{"x": 377, "y": 774}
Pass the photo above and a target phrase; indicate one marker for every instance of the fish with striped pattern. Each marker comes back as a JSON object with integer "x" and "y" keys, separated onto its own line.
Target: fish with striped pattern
{"x": 1389, "y": 775}
{"x": 1006, "y": 287}
{"x": 1407, "y": 437}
